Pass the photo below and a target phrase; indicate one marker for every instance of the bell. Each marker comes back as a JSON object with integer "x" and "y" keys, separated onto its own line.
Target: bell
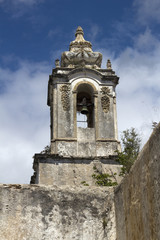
{"x": 84, "y": 110}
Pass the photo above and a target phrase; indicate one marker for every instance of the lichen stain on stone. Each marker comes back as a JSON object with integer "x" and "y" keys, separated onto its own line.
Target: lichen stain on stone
{"x": 55, "y": 213}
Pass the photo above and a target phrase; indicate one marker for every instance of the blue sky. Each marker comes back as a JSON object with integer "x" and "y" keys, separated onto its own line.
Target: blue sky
{"x": 33, "y": 33}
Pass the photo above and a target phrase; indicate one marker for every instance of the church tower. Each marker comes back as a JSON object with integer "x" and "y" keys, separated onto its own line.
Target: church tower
{"x": 82, "y": 101}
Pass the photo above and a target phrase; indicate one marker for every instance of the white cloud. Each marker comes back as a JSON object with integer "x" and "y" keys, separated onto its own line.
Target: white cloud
{"x": 24, "y": 121}
{"x": 24, "y": 2}
{"x": 138, "y": 92}
{"x": 147, "y": 10}
{"x": 146, "y": 41}
{"x": 17, "y": 8}
{"x": 94, "y": 31}
{"x": 139, "y": 87}
{"x": 54, "y": 33}
{"x": 27, "y": 1}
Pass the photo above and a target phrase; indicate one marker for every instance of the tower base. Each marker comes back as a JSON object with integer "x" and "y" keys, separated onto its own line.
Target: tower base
{"x": 51, "y": 169}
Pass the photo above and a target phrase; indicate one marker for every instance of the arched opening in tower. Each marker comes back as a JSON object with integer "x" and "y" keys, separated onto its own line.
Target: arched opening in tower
{"x": 85, "y": 106}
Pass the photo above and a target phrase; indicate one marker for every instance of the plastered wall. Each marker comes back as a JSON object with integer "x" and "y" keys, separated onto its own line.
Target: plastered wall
{"x": 137, "y": 198}
{"x": 34, "y": 212}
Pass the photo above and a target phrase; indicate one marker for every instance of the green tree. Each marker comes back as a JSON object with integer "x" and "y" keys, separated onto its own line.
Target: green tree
{"x": 130, "y": 149}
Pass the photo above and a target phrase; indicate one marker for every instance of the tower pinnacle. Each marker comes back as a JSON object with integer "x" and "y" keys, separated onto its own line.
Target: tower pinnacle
{"x": 80, "y": 53}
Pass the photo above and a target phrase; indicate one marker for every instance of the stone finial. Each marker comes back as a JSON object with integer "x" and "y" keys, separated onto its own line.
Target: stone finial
{"x": 80, "y": 53}
{"x": 79, "y": 36}
{"x": 109, "y": 66}
{"x": 79, "y": 31}
{"x": 57, "y": 63}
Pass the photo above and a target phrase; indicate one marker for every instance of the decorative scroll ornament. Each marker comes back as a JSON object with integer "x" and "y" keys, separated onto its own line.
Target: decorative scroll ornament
{"x": 105, "y": 100}
{"x": 65, "y": 97}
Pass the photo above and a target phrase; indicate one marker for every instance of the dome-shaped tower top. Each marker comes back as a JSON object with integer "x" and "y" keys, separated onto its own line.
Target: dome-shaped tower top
{"x": 80, "y": 53}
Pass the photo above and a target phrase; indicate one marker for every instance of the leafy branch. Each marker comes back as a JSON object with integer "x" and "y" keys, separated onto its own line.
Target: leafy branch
{"x": 131, "y": 147}
{"x": 103, "y": 179}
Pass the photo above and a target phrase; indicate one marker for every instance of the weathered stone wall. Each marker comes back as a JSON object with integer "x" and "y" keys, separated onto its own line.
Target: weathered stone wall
{"x": 34, "y": 212}
{"x": 137, "y": 198}
{"x": 55, "y": 170}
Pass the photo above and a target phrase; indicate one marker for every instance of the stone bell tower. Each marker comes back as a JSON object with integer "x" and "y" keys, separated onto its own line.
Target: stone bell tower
{"x": 82, "y": 101}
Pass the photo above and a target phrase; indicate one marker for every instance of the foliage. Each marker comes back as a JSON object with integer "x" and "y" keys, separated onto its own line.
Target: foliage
{"x": 131, "y": 146}
{"x": 84, "y": 183}
{"x": 104, "y": 223}
{"x": 46, "y": 150}
{"x": 103, "y": 179}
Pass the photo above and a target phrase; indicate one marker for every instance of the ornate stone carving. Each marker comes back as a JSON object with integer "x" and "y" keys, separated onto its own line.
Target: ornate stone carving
{"x": 65, "y": 97}
{"x": 80, "y": 53}
{"x": 109, "y": 66}
{"x": 57, "y": 63}
{"x": 105, "y": 100}
{"x": 105, "y": 90}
